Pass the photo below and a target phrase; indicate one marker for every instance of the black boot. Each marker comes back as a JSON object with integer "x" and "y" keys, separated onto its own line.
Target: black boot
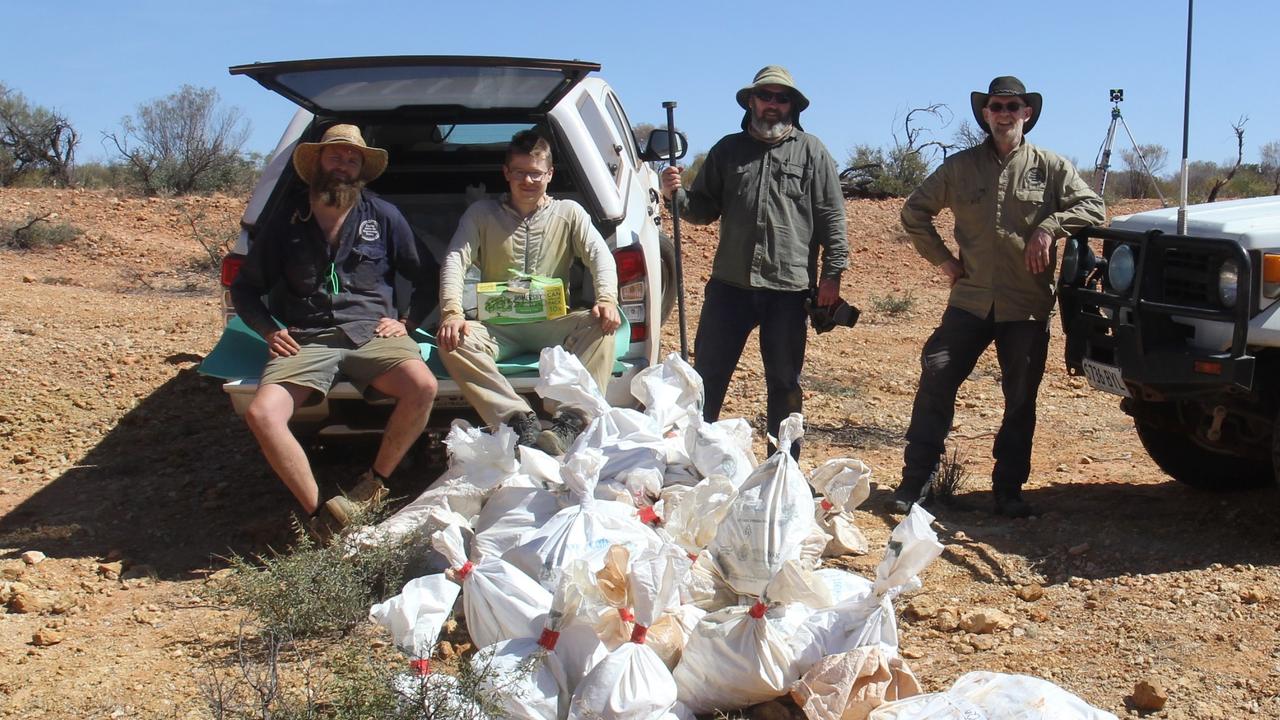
{"x": 1009, "y": 503}
{"x": 908, "y": 493}
{"x": 526, "y": 426}
{"x": 564, "y": 430}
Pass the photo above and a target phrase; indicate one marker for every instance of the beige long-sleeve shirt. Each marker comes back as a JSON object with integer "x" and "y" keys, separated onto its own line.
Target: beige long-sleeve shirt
{"x": 501, "y": 242}
{"x": 997, "y": 205}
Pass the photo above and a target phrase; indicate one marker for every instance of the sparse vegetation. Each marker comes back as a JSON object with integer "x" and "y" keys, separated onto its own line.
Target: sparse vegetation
{"x": 894, "y": 304}
{"x": 951, "y": 478}
{"x": 38, "y": 231}
{"x": 217, "y": 242}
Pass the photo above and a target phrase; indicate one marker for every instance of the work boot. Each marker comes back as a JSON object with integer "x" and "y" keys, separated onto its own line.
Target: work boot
{"x": 1009, "y": 503}
{"x": 563, "y": 431}
{"x": 330, "y": 518}
{"x": 526, "y": 426}
{"x": 907, "y": 494}
{"x": 370, "y": 489}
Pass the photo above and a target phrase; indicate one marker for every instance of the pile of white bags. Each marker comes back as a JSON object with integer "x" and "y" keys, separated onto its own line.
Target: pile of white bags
{"x": 685, "y": 576}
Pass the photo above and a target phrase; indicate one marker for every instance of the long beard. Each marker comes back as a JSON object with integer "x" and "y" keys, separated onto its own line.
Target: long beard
{"x": 335, "y": 191}
{"x": 770, "y": 131}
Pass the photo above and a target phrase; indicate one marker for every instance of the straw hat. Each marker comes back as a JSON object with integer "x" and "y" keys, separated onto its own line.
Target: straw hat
{"x": 306, "y": 157}
{"x": 1006, "y": 85}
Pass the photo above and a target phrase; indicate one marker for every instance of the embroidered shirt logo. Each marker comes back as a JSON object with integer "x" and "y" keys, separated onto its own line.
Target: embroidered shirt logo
{"x": 369, "y": 230}
{"x": 1034, "y": 178}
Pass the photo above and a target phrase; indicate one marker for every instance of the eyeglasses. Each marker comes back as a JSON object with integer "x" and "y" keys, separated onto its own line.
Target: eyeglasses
{"x": 782, "y": 98}
{"x": 1012, "y": 106}
{"x": 530, "y": 175}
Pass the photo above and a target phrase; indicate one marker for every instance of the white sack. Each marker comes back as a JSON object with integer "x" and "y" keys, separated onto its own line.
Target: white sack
{"x": 668, "y": 390}
{"x": 498, "y": 601}
{"x": 415, "y": 616}
{"x": 850, "y": 685}
{"x": 994, "y": 696}
{"x": 691, "y": 516}
{"x": 509, "y": 513}
{"x": 720, "y": 448}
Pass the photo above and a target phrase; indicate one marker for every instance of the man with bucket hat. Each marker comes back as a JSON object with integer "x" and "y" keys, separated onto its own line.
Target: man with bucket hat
{"x": 1011, "y": 201}
{"x": 776, "y": 192}
{"x": 328, "y": 260}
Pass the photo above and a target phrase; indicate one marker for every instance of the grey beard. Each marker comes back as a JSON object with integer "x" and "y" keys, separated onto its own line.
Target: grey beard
{"x": 770, "y": 131}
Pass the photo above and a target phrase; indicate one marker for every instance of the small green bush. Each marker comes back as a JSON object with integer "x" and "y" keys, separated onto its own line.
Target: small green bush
{"x": 37, "y": 232}
{"x": 892, "y": 304}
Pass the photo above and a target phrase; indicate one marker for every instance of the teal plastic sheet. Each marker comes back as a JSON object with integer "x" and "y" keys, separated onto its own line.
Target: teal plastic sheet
{"x": 241, "y": 354}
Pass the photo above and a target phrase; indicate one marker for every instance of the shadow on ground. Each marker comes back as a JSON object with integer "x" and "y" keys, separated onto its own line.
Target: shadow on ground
{"x": 178, "y": 484}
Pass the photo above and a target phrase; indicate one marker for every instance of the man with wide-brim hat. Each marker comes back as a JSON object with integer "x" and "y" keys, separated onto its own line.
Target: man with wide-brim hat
{"x": 776, "y": 192}
{"x": 1011, "y": 200}
{"x": 335, "y": 250}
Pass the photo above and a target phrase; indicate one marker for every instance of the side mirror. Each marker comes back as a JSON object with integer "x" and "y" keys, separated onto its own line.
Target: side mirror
{"x": 658, "y": 147}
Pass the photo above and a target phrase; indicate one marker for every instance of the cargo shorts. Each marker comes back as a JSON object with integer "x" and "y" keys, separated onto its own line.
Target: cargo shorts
{"x": 323, "y": 356}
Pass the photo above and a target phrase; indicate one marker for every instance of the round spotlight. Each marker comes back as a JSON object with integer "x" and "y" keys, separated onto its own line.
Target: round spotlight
{"x": 1121, "y": 268}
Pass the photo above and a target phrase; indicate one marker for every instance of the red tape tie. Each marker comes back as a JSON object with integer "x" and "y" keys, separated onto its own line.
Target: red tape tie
{"x": 693, "y": 557}
{"x": 757, "y": 610}
{"x": 421, "y": 667}
{"x": 649, "y": 516}
{"x": 465, "y": 570}
{"x": 626, "y": 615}
{"x": 549, "y": 638}
{"x": 826, "y": 505}
{"x": 638, "y": 634}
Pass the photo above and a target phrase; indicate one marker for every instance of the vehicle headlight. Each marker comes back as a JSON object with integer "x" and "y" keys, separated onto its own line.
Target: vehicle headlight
{"x": 1228, "y": 283}
{"x": 1121, "y": 268}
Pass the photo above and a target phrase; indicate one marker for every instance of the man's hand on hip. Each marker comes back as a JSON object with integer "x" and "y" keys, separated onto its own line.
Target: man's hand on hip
{"x": 1037, "y": 252}
{"x": 952, "y": 270}
{"x": 828, "y": 291}
{"x": 389, "y": 327}
{"x": 451, "y": 333}
{"x": 281, "y": 344}
{"x": 608, "y": 316}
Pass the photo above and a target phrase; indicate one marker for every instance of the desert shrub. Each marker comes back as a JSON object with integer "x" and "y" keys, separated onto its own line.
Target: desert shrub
{"x": 214, "y": 240}
{"x": 893, "y": 304}
{"x": 901, "y": 169}
{"x": 104, "y": 176}
{"x": 37, "y": 231}
{"x": 950, "y": 479}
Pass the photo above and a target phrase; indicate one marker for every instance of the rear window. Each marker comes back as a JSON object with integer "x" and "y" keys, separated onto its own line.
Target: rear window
{"x": 391, "y": 87}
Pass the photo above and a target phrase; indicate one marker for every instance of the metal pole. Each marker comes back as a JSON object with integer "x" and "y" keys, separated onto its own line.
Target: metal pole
{"x": 1186, "y": 126}
{"x": 1147, "y": 168}
{"x": 670, "y": 105}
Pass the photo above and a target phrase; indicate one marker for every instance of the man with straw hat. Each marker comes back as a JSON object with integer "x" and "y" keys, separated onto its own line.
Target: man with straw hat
{"x": 776, "y": 192}
{"x": 1011, "y": 201}
{"x": 332, "y": 256}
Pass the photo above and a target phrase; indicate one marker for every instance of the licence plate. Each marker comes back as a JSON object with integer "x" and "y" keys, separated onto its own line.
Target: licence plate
{"x": 1105, "y": 377}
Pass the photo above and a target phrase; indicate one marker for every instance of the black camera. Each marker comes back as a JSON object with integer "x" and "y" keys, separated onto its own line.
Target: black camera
{"x": 1117, "y": 95}
{"x": 839, "y": 314}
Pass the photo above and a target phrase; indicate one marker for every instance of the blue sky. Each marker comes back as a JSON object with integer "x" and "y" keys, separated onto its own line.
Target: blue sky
{"x": 862, "y": 64}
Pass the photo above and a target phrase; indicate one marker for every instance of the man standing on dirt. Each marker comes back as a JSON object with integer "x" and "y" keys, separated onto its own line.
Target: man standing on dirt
{"x": 777, "y": 195}
{"x": 1011, "y": 201}
{"x": 526, "y": 232}
{"x": 332, "y": 256}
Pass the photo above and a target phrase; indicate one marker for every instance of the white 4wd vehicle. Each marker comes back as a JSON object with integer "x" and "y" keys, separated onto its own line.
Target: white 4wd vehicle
{"x": 1187, "y": 330}
{"x": 445, "y": 123}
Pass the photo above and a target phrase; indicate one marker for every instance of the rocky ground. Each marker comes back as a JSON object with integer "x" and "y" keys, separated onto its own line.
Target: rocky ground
{"x": 125, "y": 479}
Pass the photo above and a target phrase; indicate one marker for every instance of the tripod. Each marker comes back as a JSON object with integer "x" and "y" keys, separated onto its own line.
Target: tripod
{"x": 1103, "y": 163}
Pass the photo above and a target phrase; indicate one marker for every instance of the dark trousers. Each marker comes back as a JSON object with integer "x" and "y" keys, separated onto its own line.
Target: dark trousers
{"x": 729, "y": 314}
{"x": 947, "y": 359}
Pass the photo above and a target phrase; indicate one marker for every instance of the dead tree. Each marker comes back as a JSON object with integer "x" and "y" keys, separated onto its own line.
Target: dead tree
{"x": 1219, "y": 183}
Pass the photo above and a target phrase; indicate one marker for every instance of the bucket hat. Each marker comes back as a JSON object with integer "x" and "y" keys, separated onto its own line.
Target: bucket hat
{"x": 1006, "y": 85}
{"x": 306, "y": 157}
{"x": 774, "y": 75}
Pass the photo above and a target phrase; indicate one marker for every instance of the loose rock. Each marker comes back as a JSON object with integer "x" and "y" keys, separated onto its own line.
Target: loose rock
{"x": 1030, "y": 593}
{"x": 45, "y": 637}
{"x": 1148, "y": 695}
{"x": 31, "y": 557}
{"x": 984, "y": 621}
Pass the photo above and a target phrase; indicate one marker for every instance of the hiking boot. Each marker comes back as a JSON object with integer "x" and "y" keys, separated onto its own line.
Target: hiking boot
{"x": 526, "y": 426}
{"x": 908, "y": 494}
{"x": 1009, "y": 503}
{"x": 369, "y": 489}
{"x": 563, "y": 431}
{"x": 330, "y": 518}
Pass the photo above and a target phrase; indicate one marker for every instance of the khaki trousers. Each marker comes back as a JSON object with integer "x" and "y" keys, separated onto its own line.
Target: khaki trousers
{"x": 473, "y": 364}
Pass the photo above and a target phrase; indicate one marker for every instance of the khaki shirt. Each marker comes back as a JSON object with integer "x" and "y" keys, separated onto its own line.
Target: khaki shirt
{"x": 777, "y": 204}
{"x": 500, "y": 242}
{"x": 997, "y": 205}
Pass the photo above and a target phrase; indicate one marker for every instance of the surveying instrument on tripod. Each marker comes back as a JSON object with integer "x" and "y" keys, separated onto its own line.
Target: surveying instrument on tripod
{"x": 1103, "y": 162}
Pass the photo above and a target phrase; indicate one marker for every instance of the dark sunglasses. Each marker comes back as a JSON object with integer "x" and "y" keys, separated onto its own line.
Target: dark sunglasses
{"x": 1012, "y": 106}
{"x": 782, "y": 98}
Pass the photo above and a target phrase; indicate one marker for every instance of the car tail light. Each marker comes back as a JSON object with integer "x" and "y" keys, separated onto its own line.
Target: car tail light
{"x": 231, "y": 268}
{"x": 631, "y": 289}
{"x": 1271, "y": 275}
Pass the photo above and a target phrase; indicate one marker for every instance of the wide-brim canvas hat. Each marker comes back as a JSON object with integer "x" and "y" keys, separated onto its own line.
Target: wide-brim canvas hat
{"x": 1006, "y": 85}
{"x": 306, "y": 157}
{"x": 774, "y": 75}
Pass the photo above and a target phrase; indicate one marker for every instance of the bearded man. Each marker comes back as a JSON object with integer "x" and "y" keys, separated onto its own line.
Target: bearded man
{"x": 328, "y": 260}
{"x": 776, "y": 192}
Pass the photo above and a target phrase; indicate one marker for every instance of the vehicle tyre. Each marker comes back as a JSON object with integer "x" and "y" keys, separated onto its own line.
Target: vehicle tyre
{"x": 667, "y": 254}
{"x": 1190, "y": 464}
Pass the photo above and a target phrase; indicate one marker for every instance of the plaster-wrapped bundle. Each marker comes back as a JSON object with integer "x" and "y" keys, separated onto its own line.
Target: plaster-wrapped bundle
{"x": 850, "y": 685}
{"x": 668, "y": 391}
{"x": 722, "y": 447}
{"x": 993, "y": 696}
{"x": 844, "y": 484}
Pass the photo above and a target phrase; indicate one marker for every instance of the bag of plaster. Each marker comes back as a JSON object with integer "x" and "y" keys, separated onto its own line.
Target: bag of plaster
{"x": 749, "y": 654}
{"x": 639, "y": 487}
{"x": 692, "y": 515}
{"x": 722, "y": 447}
{"x": 868, "y": 619}
{"x": 583, "y": 531}
{"x": 769, "y": 522}
{"x": 610, "y": 608}
{"x": 850, "y": 685}
{"x": 669, "y": 391}
{"x": 632, "y": 682}
{"x": 534, "y": 678}
{"x": 993, "y": 696}
{"x": 499, "y": 601}
{"x": 843, "y": 483}
{"x": 508, "y": 514}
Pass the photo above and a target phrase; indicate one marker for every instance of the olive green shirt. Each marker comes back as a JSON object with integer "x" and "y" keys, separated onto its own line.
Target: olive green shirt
{"x": 997, "y": 205}
{"x": 777, "y": 204}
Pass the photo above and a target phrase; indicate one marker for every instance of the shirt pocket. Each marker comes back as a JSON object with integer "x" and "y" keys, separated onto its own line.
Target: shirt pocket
{"x": 367, "y": 264}
{"x": 1030, "y": 207}
{"x": 744, "y": 177}
{"x": 790, "y": 178}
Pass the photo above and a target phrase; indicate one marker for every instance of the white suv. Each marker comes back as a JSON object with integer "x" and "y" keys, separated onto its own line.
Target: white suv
{"x": 445, "y": 123}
